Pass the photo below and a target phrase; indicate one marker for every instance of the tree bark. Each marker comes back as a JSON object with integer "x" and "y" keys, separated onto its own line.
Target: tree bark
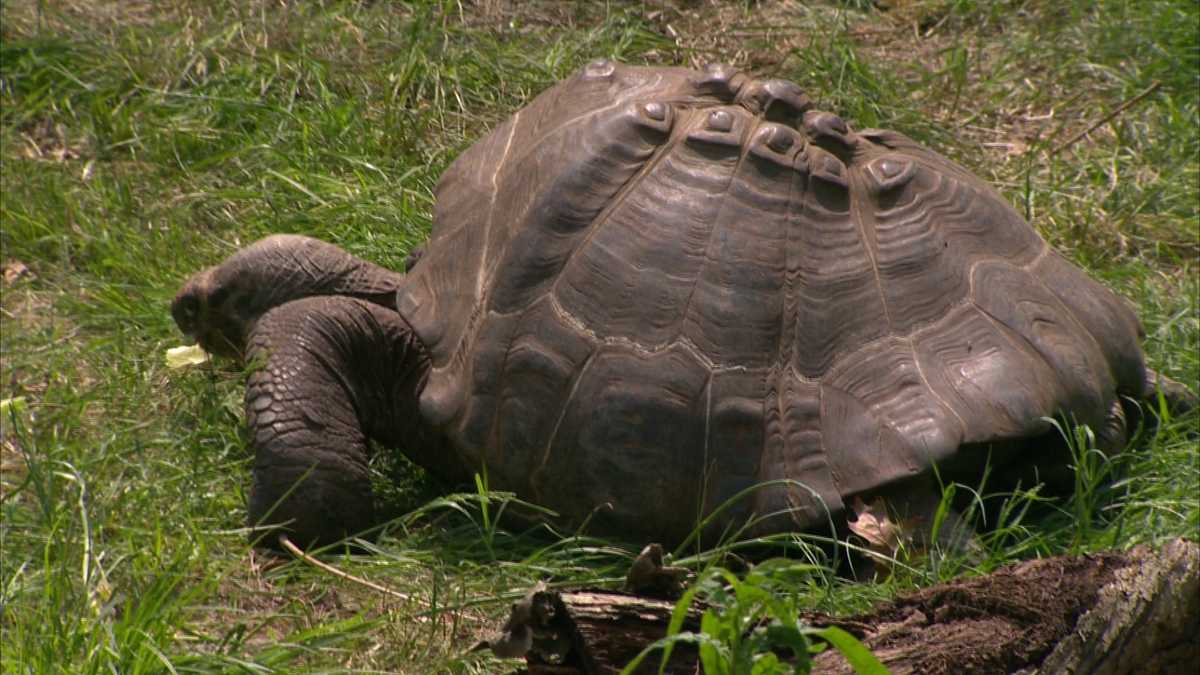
{"x": 1108, "y": 613}
{"x": 1146, "y": 620}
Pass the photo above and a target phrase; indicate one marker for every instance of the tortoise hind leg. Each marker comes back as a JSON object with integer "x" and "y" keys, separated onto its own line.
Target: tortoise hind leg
{"x": 1178, "y": 396}
{"x": 328, "y": 373}
{"x": 1113, "y": 434}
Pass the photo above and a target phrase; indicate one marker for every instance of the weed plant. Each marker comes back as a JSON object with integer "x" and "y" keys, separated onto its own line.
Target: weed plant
{"x": 141, "y": 141}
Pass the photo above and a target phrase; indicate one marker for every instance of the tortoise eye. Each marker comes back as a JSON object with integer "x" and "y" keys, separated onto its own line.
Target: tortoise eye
{"x": 189, "y": 306}
{"x": 218, "y": 297}
{"x": 185, "y": 310}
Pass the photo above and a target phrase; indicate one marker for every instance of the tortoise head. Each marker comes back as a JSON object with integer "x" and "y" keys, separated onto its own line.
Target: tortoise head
{"x": 219, "y": 306}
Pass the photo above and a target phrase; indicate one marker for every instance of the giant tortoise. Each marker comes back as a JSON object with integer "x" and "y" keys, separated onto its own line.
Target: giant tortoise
{"x": 655, "y": 288}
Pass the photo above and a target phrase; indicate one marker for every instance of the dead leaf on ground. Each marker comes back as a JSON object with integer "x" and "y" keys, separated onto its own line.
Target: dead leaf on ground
{"x": 1013, "y": 148}
{"x": 46, "y": 140}
{"x": 882, "y": 534}
{"x": 14, "y": 270}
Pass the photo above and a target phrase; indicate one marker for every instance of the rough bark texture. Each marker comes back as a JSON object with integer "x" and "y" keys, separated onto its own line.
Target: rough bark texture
{"x": 1146, "y": 620}
{"x": 1137, "y": 611}
{"x": 608, "y": 630}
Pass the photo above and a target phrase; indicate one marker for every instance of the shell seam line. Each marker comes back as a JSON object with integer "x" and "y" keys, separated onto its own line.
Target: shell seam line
{"x": 487, "y": 240}
{"x": 703, "y": 497}
{"x": 536, "y": 475}
{"x": 912, "y": 348}
{"x": 1073, "y": 317}
{"x": 1004, "y": 331}
{"x": 786, "y": 349}
{"x": 618, "y": 199}
{"x": 857, "y": 192}
{"x": 743, "y": 151}
{"x": 681, "y": 343}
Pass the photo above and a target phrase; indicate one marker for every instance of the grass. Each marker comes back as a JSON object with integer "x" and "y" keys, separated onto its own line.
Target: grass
{"x": 141, "y": 141}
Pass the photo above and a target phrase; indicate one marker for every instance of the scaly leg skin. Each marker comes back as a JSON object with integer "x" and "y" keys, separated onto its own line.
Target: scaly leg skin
{"x": 1178, "y": 396}
{"x": 328, "y": 373}
{"x": 1113, "y": 435}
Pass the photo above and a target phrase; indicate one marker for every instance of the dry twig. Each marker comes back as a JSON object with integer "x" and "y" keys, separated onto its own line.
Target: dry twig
{"x": 1107, "y": 118}
{"x": 295, "y": 550}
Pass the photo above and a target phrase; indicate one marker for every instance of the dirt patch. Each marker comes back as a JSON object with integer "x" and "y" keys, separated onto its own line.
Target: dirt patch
{"x": 47, "y": 140}
{"x": 993, "y": 624}
{"x": 268, "y": 599}
{"x": 249, "y": 611}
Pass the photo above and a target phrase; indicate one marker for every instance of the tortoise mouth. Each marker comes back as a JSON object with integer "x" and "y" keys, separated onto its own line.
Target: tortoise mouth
{"x": 212, "y": 336}
{"x": 185, "y": 311}
{"x": 215, "y": 341}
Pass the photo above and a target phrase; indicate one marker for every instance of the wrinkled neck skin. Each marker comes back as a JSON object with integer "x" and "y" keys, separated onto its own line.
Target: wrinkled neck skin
{"x": 287, "y": 267}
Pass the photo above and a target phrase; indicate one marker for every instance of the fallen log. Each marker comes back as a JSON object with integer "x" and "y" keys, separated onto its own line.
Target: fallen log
{"x": 1113, "y": 612}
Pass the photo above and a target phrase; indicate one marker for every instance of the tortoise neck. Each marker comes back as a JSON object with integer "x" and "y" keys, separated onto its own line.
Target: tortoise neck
{"x": 294, "y": 266}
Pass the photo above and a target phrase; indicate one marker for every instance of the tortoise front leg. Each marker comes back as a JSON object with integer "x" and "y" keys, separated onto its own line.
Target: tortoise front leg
{"x": 328, "y": 374}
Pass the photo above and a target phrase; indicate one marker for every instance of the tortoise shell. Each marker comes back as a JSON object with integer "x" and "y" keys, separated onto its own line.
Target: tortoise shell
{"x": 653, "y": 288}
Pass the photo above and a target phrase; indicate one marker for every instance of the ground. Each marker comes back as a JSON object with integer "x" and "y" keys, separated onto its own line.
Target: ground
{"x": 140, "y": 141}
